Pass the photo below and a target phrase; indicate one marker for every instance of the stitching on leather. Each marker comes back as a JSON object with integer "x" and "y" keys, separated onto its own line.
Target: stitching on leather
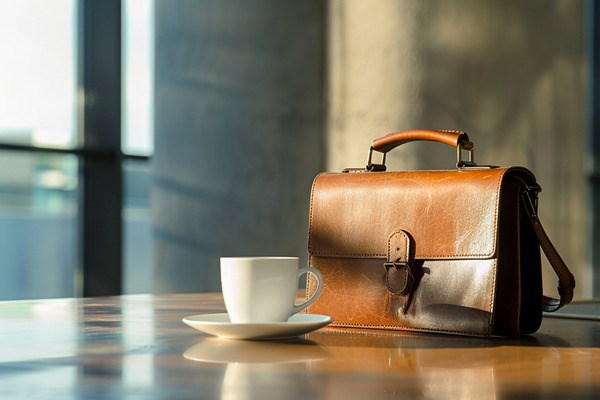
{"x": 409, "y": 329}
{"x": 492, "y": 296}
{"x": 310, "y": 216}
{"x": 310, "y": 220}
{"x": 401, "y": 232}
{"x": 481, "y": 256}
{"x": 396, "y": 333}
{"x": 349, "y": 255}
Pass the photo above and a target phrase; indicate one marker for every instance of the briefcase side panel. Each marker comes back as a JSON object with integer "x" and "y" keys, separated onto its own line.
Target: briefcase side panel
{"x": 452, "y": 297}
{"x": 518, "y": 303}
{"x": 529, "y": 257}
{"x": 531, "y": 279}
{"x": 508, "y": 276}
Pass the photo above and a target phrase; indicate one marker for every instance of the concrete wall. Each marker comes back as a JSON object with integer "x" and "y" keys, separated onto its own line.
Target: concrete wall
{"x": 239, "y": 133}
{"x": 240, "y": 115}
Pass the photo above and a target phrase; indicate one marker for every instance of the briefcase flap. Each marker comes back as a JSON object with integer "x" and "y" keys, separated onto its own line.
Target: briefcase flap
{"x": 449, "y": 214}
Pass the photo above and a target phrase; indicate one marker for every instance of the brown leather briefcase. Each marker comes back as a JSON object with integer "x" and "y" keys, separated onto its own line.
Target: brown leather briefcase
{"x": 434, "y": 251}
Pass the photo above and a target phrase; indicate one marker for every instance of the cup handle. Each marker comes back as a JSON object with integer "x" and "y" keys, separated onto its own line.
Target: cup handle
{"x": 317, "y": 274}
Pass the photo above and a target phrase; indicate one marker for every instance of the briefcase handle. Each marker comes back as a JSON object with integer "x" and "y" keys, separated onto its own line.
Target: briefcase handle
{"x": 386, "y": 143}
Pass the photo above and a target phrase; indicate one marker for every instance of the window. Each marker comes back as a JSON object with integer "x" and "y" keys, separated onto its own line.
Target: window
{"x": 74, "y": 202}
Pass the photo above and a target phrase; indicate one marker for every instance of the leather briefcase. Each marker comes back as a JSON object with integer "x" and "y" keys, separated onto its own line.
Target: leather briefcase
{"x": 433, "y": 251}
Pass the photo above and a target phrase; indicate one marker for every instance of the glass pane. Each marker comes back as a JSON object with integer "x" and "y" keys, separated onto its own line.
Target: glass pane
{"x": 138, "y": 70}
{"x": 37, "y": 78}
{"x": 38, "y": 210}
{"x": 137, "y": 228}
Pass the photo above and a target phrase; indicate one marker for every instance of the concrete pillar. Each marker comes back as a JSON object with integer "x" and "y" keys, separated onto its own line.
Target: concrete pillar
{"x": 374, "y": 75}
{"x": 238, "y": 133}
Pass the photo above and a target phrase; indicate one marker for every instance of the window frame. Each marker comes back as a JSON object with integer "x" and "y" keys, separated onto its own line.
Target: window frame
{"x": 99, "y": 131}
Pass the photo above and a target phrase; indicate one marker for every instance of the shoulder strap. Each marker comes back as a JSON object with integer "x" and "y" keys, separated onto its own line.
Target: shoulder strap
{"x": 566, "y": 281}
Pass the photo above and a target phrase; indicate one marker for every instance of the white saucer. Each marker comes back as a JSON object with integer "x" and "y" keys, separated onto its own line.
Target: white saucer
{"x": 220, "y": 325}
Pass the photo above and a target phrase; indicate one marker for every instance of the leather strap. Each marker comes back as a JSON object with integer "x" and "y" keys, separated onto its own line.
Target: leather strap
{"x": 566, "y": 281}
{"x": 402, "y": 275}
{"x": 399, "y": 275}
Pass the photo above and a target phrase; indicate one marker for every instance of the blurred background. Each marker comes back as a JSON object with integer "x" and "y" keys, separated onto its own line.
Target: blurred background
{"x": 140, "y": 140}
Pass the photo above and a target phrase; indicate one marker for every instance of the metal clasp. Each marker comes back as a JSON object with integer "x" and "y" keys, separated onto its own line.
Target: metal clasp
{"x": 375, "y": 167}
{"x": 531, "y": 204}
{"x": 470, "y": 162}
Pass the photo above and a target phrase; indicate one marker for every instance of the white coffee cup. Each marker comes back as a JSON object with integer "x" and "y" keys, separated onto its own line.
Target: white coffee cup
{"x": 263, "y": 289}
